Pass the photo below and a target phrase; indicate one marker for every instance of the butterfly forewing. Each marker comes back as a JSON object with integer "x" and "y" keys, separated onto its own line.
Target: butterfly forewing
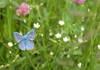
{"x": 17, "y": 36}
{"x": 31, "y": 35}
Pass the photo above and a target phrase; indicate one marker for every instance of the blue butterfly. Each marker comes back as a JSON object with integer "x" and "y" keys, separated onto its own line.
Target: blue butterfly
{"x": 25, "y": 42}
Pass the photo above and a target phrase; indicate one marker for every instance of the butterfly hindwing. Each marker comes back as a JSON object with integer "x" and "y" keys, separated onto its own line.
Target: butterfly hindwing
{"x": 29, "y": 45}
{"x": 31, "y": 35}
{"x": 17, "y": 36}
{"x": 22, "y": 45}
{"x": 26, "y": 45}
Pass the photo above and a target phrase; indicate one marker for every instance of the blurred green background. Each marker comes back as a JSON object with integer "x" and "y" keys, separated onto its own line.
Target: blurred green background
{"x": 81, "y": 27}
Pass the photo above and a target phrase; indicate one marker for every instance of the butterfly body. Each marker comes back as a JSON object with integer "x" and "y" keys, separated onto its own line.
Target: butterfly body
{"x": 26, "y": 41}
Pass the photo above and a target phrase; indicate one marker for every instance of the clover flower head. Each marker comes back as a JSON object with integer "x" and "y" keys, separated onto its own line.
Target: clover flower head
{"x": 23, "y": 9}
{"x": 79, "y": 1}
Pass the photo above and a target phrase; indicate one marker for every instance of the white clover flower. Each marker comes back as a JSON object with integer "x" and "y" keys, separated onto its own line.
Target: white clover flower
{"x": 98, "y": 47}
{"x": 80, "y": 40}
{"x": 82, "y": 28}
{"x": 58, "y": 35}
{"x": 10, "y": 44}
{"x": 51, "y": 53}
{"x": 36, "y": 25}
{"x": 79, "y": 65}
{"x": 61, "y": 22}
{"x": 66, "y": 39}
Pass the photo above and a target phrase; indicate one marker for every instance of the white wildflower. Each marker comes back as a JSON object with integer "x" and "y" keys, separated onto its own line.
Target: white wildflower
{"x": 99, "y": 47}
{"x": 76, "y": 47}
{"x": 24, "y": 20}
{"x": 42, "y": 35}
{"x": 80, "y": 40}
{"x": 88, "y": 10}
{"x": 58, "y": 35}
{"x": 61, "y": 22}
{"x": 51, "y": 53}
{"x": 36, "y": 25}
{"x": 75, "y": 36}
{"x": 50, "y": 33}
{"x": 66, "y": 39}
{"x": 10, "y": 52}
{"x": 82, "y": 28}
{"x": 79, "y": 65}
{"x": 68, "y": 56}
{"x": 41, "y": 4}
{"x": 10, "y": 44}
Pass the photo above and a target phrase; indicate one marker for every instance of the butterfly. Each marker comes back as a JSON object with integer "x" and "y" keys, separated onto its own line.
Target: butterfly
{"x": 25, "y": 42}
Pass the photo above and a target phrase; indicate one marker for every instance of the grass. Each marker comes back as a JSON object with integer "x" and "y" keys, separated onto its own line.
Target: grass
{"x": 51, "y": 53}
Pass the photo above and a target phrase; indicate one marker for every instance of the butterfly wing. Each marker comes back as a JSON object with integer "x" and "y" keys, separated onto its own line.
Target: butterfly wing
{"x": 31, "y": 35}
{"x": 26, "y": 45}
{"x": 22, "y": 45}
{"x": 17, "y": 36}
{"x": 29, "y": 45}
